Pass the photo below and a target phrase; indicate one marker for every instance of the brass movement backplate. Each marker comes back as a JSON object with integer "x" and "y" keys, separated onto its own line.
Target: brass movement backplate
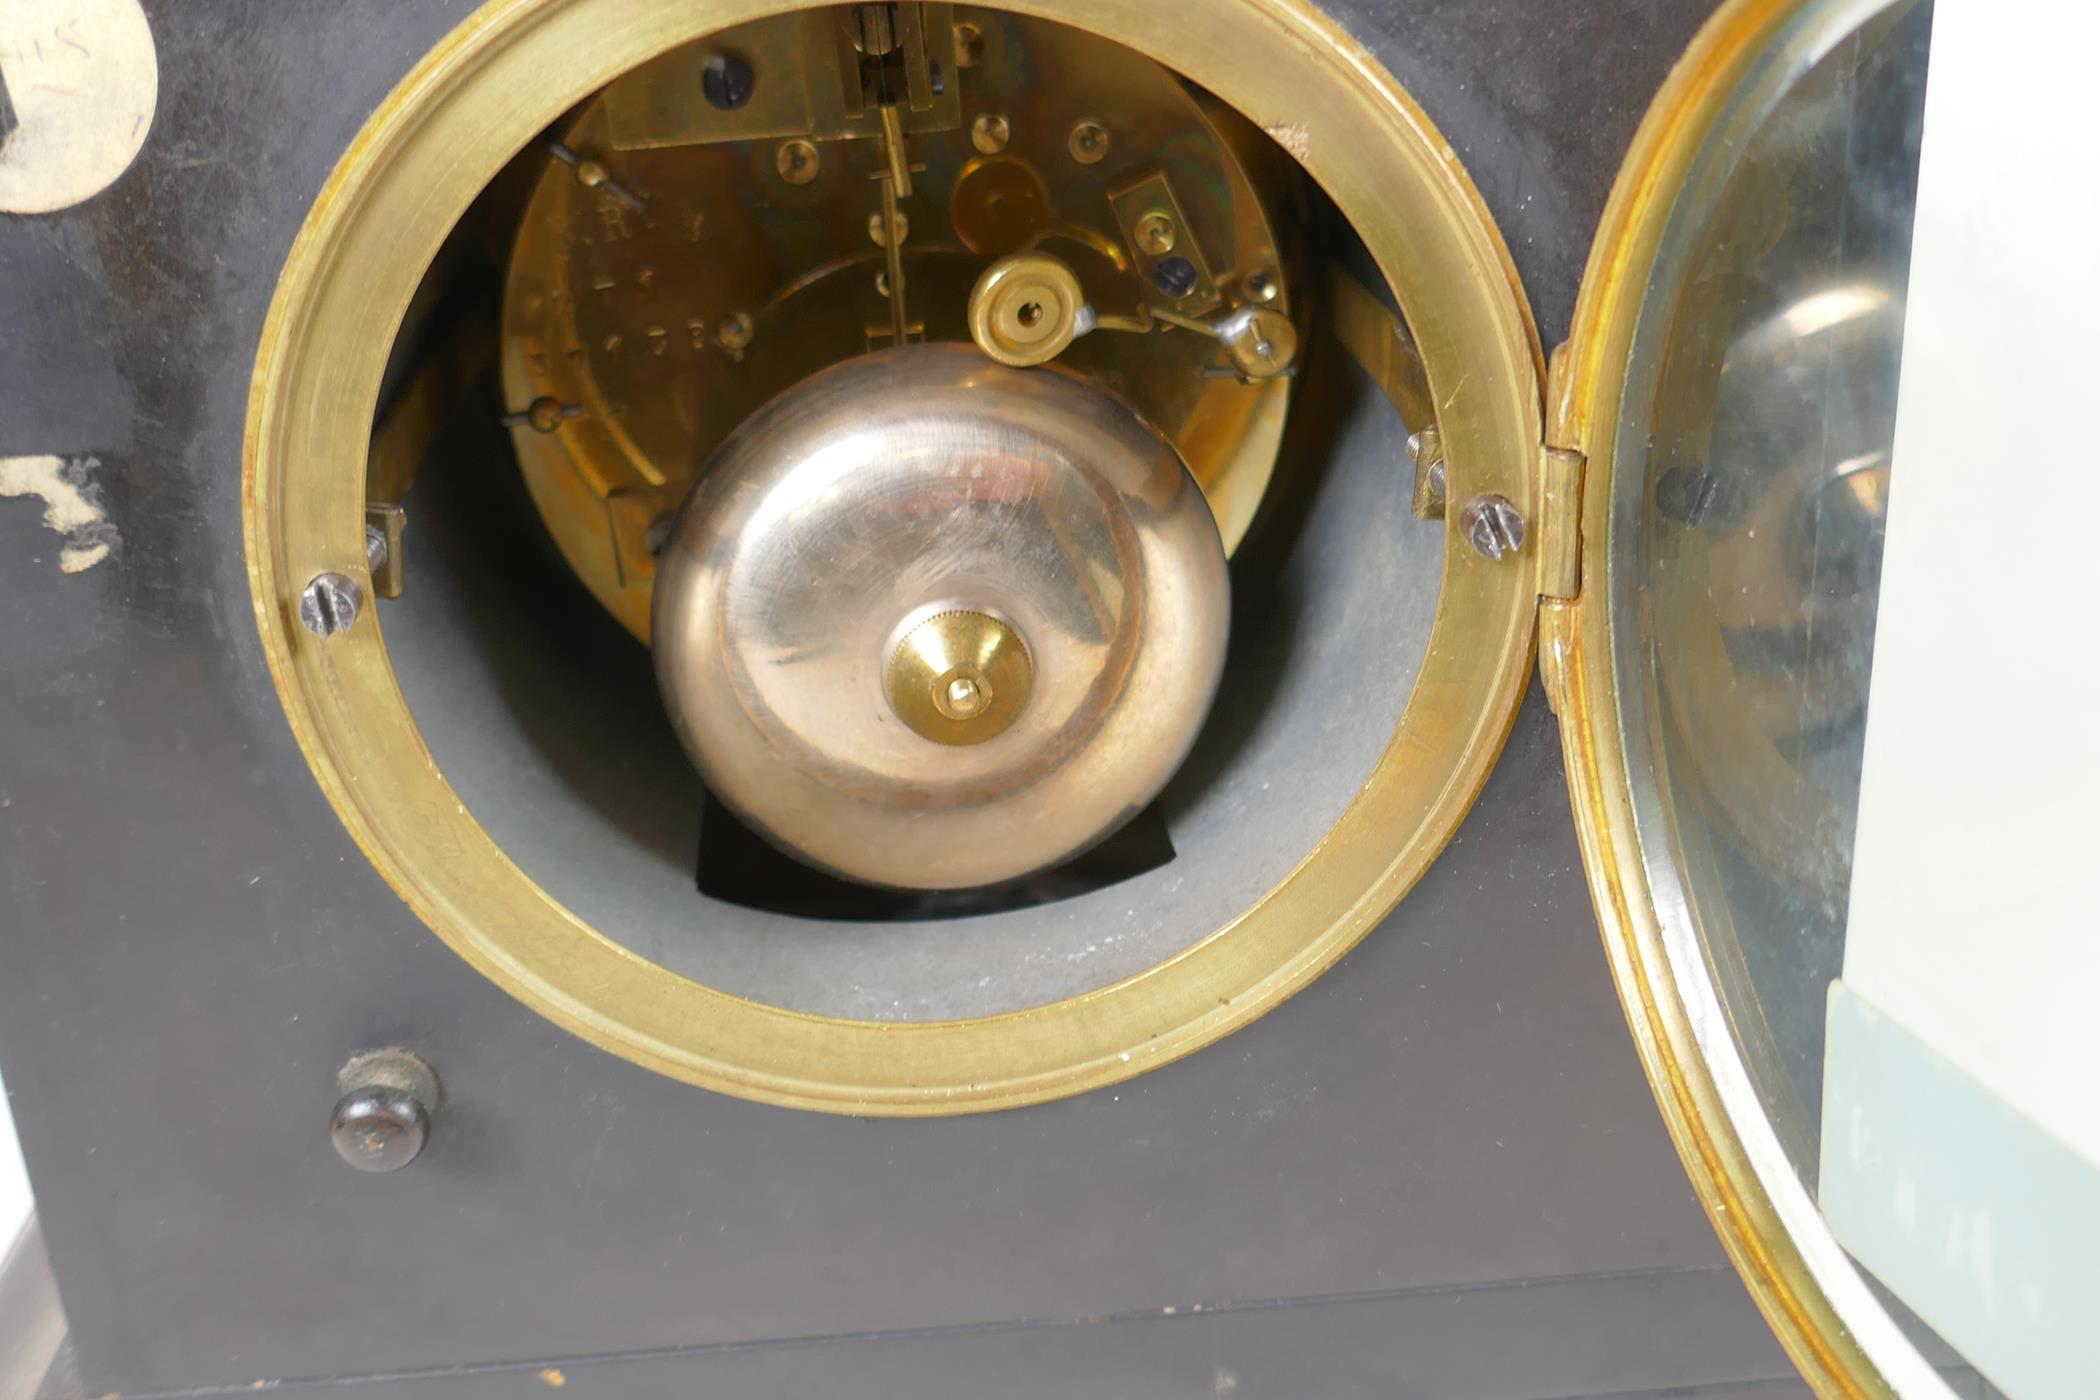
{"x": 716, "y": 225}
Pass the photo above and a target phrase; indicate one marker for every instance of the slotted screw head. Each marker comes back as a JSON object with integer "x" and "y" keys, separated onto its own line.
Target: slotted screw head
{"x": 1493, "y": 526}
{"x": 330, "y": 604}
{"x": 727, "y": 81}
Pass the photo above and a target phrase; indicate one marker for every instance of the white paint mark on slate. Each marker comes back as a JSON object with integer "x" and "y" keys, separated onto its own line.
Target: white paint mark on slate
{"x": 72, "y": 504}
{"x": 82, "y": 80}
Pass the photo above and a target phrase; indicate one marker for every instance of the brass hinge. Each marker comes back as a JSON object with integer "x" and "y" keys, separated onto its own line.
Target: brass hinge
{"x": 1561, "y": 472}
{"x": 1560, "y": 494}
{"x": 1560, "y": 531}
{"x": 1560, "y": 566}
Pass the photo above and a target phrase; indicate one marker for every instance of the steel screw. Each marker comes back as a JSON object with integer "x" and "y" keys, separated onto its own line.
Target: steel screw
{"x": 1088, "y": 142}
{"x": 375, "y": 549}
{"x": 382, "y": 1120}
{"x": 1174, "y": 276}
{"x": 990, "y": 133}
{"x": 797, "y": 161}
{"x": 331, "y": 603}
{"x": 1493, "y": 526}
{"x": 726, "y": 81}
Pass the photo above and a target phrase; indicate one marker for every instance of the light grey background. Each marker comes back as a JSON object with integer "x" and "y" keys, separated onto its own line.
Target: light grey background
{"x": 14, "y": 1182}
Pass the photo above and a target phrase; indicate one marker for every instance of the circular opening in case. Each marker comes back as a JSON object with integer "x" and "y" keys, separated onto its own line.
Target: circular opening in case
{"x": 503, "y": 275}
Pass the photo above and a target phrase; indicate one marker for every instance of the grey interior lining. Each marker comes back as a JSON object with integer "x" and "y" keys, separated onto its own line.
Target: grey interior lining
{"x": 546, "y": 723}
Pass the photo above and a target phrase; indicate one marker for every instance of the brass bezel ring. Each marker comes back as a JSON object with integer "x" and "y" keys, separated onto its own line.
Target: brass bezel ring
{"x": 442, "y": 135}
{"x": 1834, "y": 1328}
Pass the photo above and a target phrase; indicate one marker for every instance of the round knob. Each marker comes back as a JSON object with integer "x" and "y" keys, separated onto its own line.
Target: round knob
{"x": 382, "y": 1120}
{"x": 932, "y": 622}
